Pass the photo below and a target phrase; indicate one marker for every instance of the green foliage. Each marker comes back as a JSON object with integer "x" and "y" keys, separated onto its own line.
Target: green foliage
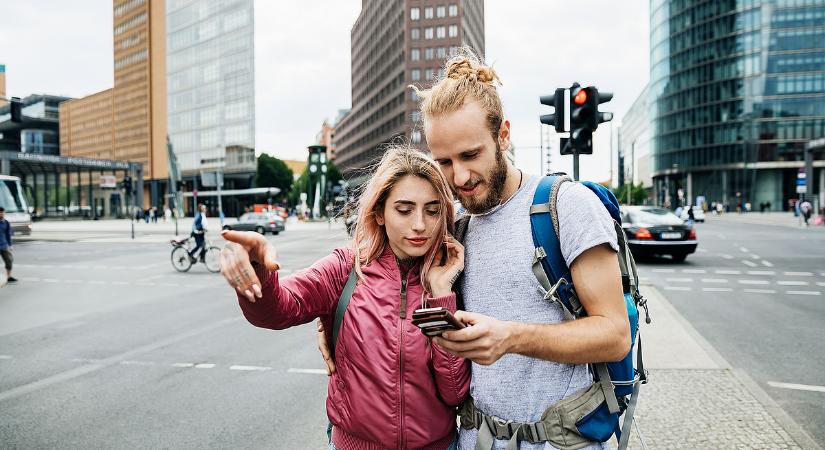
{"x": 272, "y": 172}
{"x": 638, "y": 194}
{"x": 333, "y": 176}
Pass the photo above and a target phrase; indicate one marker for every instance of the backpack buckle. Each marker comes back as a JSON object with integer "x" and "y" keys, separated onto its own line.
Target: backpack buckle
{"x": 551, "y": 294}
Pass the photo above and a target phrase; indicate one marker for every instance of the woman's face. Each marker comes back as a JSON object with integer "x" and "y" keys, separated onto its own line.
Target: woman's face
{"x": 410, "y": 217}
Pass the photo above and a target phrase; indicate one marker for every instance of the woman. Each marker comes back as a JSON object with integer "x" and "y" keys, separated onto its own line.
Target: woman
{"x": 392, "y": 387}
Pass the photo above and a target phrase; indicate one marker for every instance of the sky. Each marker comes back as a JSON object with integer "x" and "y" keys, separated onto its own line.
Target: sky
{"x": 302, "y": 63}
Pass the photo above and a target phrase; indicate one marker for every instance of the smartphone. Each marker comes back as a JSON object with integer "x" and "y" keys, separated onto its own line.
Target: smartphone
{"x": 434, "y": 321}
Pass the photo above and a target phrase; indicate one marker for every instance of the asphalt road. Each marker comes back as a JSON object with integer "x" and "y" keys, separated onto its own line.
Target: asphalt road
{"x": 757, "y": 294}
{"x": 105, "y": 345}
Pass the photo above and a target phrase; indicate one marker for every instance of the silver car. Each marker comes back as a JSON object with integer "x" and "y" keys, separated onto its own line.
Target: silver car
{"x": 259, "y": 222}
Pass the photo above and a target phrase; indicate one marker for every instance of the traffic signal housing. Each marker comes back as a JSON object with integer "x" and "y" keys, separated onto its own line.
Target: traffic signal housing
{"x": 16, "y": 106}
{"x": 556, "y": 101}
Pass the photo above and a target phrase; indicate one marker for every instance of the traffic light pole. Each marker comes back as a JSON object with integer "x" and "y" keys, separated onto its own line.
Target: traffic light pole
{"x": 576, "y": 165}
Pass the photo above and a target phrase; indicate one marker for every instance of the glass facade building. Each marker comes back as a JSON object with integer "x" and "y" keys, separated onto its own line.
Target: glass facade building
{"x": 737, "y": 87}
{"x": 211, "y": 86}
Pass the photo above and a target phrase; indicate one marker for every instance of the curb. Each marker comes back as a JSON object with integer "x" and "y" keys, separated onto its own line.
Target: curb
{"x": 782, "y": 418}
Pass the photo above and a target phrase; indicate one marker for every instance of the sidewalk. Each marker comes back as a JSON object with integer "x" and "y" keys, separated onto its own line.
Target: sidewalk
{"x": 694, "y": 399}
{"x": 120, "y": 230}
{"x": 782, "y": 219}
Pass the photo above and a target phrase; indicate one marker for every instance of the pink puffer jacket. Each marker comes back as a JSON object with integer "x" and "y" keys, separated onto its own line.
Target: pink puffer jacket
{"x": 392, "y": 388}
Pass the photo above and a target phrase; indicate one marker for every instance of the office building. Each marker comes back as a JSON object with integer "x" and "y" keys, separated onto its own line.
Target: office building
{"x": 737, "y": 89}
{"x": 211, "y": 88}
{"x": 396, "y": 43}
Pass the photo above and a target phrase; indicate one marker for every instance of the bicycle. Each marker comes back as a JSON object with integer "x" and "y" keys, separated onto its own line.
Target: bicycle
{"x": 182, "y": 262}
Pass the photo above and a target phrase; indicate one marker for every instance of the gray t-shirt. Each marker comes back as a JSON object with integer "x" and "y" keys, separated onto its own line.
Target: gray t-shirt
{"x": 499, "y": 282}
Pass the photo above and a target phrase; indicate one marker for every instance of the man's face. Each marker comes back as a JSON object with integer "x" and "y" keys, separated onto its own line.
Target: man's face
{"x": 469, "y": 157}
{"x": 2, "y": 215}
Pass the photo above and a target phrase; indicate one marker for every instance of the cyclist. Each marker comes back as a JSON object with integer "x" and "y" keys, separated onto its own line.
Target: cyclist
{"x": 198, "y": 231}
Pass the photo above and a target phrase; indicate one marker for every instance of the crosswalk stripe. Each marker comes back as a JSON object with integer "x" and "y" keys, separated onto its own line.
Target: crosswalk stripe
{"x": 715, "y": 289}
{"x": 761, "y": 291}
{"x": 761, "y": 272}
{"x": 753, "y": 281}
{"x": 677, "y": 288}
{"x": 792, "y": 283}
{"x": 799, "y": 274}
{"x": 714, "y": 280}
{"x": 803, "y": 292}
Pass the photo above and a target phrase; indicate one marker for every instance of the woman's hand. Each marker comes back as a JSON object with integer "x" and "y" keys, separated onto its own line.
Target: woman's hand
{"x": 244, "y": 248}
{"x": 441, "y": 278}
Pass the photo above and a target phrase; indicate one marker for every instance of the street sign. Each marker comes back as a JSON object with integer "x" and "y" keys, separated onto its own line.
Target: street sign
{"x": 801, "y": 182}
{"x": 108, "y": 181}
{"x": 211, "y": 179}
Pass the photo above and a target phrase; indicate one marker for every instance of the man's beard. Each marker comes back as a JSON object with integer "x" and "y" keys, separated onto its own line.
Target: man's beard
{"x": 494, "y": 180}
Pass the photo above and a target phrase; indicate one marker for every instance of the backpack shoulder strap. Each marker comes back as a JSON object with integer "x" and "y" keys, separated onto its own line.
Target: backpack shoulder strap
{"x": 460, "y": 233}
{"x": 341, "y": 309}
{"x": 549, "y": 265}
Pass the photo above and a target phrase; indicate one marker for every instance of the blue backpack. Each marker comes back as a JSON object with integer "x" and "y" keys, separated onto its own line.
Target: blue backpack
{"x": 619, "y": 380}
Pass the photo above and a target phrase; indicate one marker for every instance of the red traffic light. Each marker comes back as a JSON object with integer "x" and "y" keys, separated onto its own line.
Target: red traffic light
{"x": 581, "y": 97}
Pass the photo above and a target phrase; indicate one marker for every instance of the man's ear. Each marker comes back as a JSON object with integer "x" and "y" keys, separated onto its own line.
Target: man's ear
{"x": 504, "y": 135}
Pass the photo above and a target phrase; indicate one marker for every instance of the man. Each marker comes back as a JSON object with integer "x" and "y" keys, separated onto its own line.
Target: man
{"x": 199, "y": 227}
{"x": 526, "y": 355}
{"x": 5, "y": 245}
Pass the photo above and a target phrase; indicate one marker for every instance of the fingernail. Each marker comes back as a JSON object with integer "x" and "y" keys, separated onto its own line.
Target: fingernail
{"x": 249, "y": 295}
{"x": 257, "y": 290}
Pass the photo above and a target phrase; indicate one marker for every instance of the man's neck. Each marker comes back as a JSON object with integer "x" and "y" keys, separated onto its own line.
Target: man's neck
{"x": 511, "y": 184}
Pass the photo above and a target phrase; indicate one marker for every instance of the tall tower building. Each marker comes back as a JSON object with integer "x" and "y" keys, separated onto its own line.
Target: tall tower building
{"x": 396, "y": 43}
{"x": 737, "y": 88}
{"x": 128, "y": 121}
{"x": 211, "y": 87}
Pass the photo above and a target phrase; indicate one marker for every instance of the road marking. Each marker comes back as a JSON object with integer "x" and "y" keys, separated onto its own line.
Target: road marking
{"x": 715, "y": 289}
{"x": 754, "y": 256}
{"x": 749, "y": 263}
{"x": 820, "y": 283}
{"x": 744, "y": 250}
{"x": 792, "y": 283}
{"x": 728, "y": 272}
{"x": 137, "y": 363}
{"x": 50, "y": 280}
{"x": 183, "y": 365}
{"x": 798, "y": 387}
{"x": 726, "y": 256}
{"x": 251, "y": 368}
{"x": 30, "y": 279}
{"x": 5, "y": 357}
{"x": 313, "y": 371}
{"x": 120, "y": 283}
{"x": 753, "y": 281}
{"x": 761, "y": 272}
{"x": 663, "y": 270}
{"x": 73, "y": 281}
{"x": 110, "y": 361}
{"x": 767, "y": 263}
{"x": 679, "y": 280}
{"x": 144, "y": 284}
{"x": 97, "y": 282}
{"x": 694, "y": 271}
{"x": 799, "y": 274}
{"x": 677, "y": 288}
{"x": 168, "y": 284}
{"x": 204, "y": 366}
{"x": 803, "y": 292}
{"x": 714, "y": 280}
{"x": 761, "y": 291}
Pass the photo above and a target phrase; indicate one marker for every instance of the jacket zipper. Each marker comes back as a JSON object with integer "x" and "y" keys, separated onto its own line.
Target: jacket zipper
{"x": 403, "y": 314}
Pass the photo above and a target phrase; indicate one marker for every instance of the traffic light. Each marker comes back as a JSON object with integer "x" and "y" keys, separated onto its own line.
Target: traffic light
{"x": 127, "y": 184}
{"x": 556, "y": 101}
{"x": 585, "y": 117}
{"x": 16, "y": 109}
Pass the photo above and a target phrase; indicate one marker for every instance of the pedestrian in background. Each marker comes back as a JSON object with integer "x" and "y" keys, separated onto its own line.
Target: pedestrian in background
{"x": 805, "y": 208}
{"x": 5, "y": 246}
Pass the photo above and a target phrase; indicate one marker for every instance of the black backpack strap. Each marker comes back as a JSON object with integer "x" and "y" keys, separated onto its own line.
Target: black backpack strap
{"x": 460, "y": 233}
{"x": 341, "y": 309}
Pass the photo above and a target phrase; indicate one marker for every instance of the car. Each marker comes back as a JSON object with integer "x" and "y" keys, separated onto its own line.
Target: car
{"x": 698, "y": 214}
{"x": 258, "y": 222}
{"x": 654, "y": 231}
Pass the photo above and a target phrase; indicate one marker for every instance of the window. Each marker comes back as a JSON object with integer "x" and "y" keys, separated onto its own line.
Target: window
{"x": 442, "y": 52}
{"x": 428, "y": 12}
{"x": 415, "y": 54}
{"x": 428, "y": 74}
{"x": 453, "y": 10}
{"x": 414, "y": 13}
{"x": 428, "y": 33}
{"x": 453, "y": 31}
{"x": 429, "y": 53}
{"x": 236, "y": 110}
{"x": 415, "y": 137}
{"x": 441, "y": 33}
{"x": 415, "y": 34}
{"x": 235, "y": 20}
{"x": 415, "y": 116}
{"x": 440, "y": 12}
{"x": 413, "y": 96}
{"x": 415, "y": 74}
{"x": 441, "y": 73}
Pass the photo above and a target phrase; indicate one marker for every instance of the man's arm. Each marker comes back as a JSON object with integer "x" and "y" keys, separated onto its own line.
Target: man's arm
{"x": 604, "y": 335}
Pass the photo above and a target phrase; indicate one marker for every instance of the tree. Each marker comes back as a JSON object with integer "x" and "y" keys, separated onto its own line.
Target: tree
{"x": 638, "y": 194}
{"x": 272, "y": 172}
{"x": 333, "y": 176}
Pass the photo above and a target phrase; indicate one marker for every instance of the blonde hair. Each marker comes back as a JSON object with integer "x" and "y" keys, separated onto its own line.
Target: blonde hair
{"x": 399, "y": 161}
{"x": 466, "y": 78}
